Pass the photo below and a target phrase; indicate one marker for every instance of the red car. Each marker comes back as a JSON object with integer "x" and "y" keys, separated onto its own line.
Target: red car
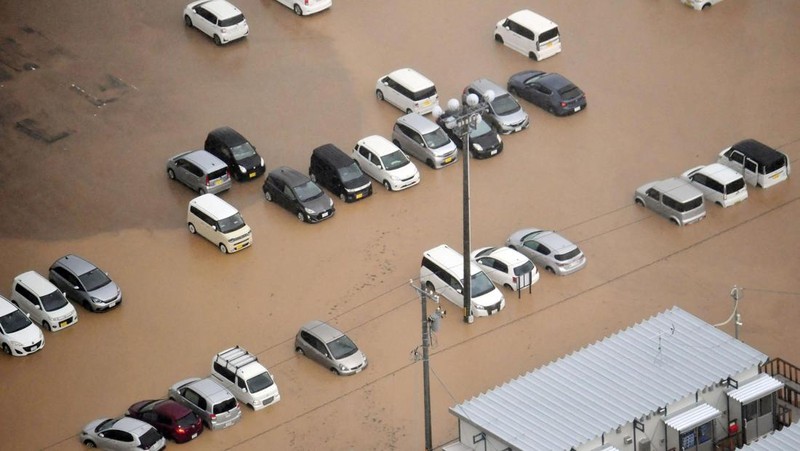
{"x": 171, "y": 419}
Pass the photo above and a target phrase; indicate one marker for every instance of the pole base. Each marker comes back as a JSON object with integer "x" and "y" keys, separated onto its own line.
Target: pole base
{"x": 469, "y": 319}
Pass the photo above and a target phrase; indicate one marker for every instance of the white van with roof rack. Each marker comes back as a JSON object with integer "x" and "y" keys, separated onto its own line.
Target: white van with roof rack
{"x": 245, "y": 377}
{"x": 534, "y": 36}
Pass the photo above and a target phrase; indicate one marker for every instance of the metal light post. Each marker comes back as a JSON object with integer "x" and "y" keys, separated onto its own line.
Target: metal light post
{"x": 462, "y": 119}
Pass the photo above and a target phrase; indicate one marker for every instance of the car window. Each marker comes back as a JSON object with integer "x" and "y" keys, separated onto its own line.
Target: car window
{"x": 653, "y": 193}
{"x": 734, "y": 186}
{"x": 219, "y": 173}
{"x": 150, "y": 417}
{"x": 192, "y": 396}
{"x": 242, "y": 151}
{"x": 568, "y": 255}
{"x": 480, "y": 129}
{"x": 543, "y": 89}
{"x": 26, "y": 294}
{"x": 500, "y": 266}
{"x": 231, "y": 21}
{"x": 394, "y": 160}
{"x": 14, "y": 321}
{"x": 375, "y": 160}
{"x": 524, "y": 268}
{"x": 715, "y": 185}
{"x": 53, "y": 301}
{"x": 187, "y": 420}
{"x": 737, "y": 157}
{"x": 149, "y": 438}
{"x": 240, "y": 383}
{"x": 548, "y": 35}
{"x": 231, "y": 223}
{"x": 480, "y": 284}
{"x": 120, "y": 436}
{"x": 570, "y": 92}
{"x": 307, "y": 191}
{"x": 94, "y": 279}
{"x": 505, "y": 104}
{"x": 700, "y": 178}
{"x": 752, "y": 166}
{"x": 436, "y": 139}
{"x": 342, "y": 347}
{"x": 424, "y": 93}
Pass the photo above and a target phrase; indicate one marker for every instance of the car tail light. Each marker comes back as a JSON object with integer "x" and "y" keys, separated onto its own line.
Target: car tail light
{"x": 213, "y": 416}
{"x": 208, "y": 181}
{"x": 514, "y": 279}
{"x": 228, "y": 173}
{"x": 307, "y": 2}
{"x": 180, "y": 430}
{"x": 563, "y": 104}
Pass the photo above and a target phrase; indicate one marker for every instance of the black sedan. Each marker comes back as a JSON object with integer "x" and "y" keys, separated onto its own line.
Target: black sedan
{"x": 484, "y": 142}
{"x": 549, "y": 91}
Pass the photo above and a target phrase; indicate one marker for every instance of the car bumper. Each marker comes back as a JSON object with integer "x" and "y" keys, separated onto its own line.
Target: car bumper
{"x": 20, "y": 351}
{"x": 353, "y": 371}
{"x": 569, "y": 269}
{"x": 234, "y": 35}
{"x": 313, "y": 219}
{"x": 316, "y": 7}
{"x": 489, "y": 309}
{"x": 266, "y": 402}
{"x": 572, "y": 109}
{"x": 216, "y": 189}
{"x": 252, "y": 173}
{"x": 363, "y": 194}
{"x": 487, "y": 153}
{"x": 505, "y": 129}
{"x": 240, "y": 245}
{"x": 403, "y": 184}
{"x": 440, "y": 162}
{"x": 103, "y": 306}
{"x": 64, "y": 323}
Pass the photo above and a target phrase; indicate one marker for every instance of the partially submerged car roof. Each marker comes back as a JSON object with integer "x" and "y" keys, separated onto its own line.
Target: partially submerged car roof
{"x": 333, "y": 155}
{"x": 760, "y": 152}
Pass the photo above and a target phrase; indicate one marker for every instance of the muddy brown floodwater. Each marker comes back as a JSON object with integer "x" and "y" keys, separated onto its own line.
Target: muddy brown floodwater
{"x": 96, "y": 95}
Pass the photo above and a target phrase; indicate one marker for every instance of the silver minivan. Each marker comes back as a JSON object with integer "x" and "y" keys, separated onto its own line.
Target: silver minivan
{"x": 505, "y": 113}
{"x": 425, "y": 140}
{"x": 674, "y": 199}
{"x": 209, "y": 400}
{"x": 200, "y": 171}
{"x": 719, "y": 184}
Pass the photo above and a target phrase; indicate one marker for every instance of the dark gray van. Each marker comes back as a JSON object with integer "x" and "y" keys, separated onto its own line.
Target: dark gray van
{"x": 336, "y": 171}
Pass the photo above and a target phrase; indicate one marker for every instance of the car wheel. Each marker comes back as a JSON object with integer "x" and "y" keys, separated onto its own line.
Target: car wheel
{"x": 217, "y": 40}
{"x": 498, "y": 38}
{"x": 508, "y": 286}
{"x": 299, "y": 350}
{"x": 313, "y": 177}
{"x": 706, "y": 6}
{"x": 387, "y": 185}
{"x": 639, "y": 202}
{"x": 552, "y": 271}
{"x": 533, "y": 56}
{"x": 87, "y": 305}
{"x": 551, "y": 110}
{"x": 379, "y": 94}
{"x": 192, "y": 229}
{"x": 429, "y": 162}
{"x": 268, "y": 196}
{"x": 89, "y": 444}
{"x": 718, "y": 203}
{"x": 171, "y": 174}
{"x": 408, "y": 111}
{"x": 6, "y": 349}
{"x": 675, "y": 221}
{"x": 201, "y": 191}
{"x": 297, "y": 10}
{"x": 188, "y": 21}
{"x": 300, "y": 216}
{"x": 46, "y": 326}
{"x": 342, "y": 197}
{"x": 223, "y": 248}
{"x": 335, "y": 371}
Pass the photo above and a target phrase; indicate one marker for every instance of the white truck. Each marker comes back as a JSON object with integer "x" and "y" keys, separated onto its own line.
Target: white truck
{"x": 242, "y": 374}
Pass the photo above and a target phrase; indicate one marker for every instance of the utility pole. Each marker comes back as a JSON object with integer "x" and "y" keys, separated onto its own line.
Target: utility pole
{"x": 426, "y": 379}
{"x": 736, "y": 294}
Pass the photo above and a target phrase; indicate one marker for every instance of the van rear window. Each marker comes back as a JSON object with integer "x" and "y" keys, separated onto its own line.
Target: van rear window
{"x": 231, "y": 21}
{"x": 548, "y": 35}
{"x": 775, "y": 165}
{"x": 734, "y": 186}
{"x": 684, "y": 206}
{"x": 224, "y": 406}
{"x": 219, "y": 173}
{"x": 568, "y": 255}
{"x": 424, "y": 94}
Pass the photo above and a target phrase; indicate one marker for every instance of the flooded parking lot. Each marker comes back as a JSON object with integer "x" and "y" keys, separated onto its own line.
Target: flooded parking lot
{"x": 94, "y": 97}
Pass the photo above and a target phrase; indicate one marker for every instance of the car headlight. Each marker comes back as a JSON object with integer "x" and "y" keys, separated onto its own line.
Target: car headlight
{"x": 242, "y": 169}
{"x": 97, "y": 300}
{"x": 343, "y": 368}
{"x": 394, "y": 177}
{"x": 478, "y": 307}
{"x": 16, "y": 344}
{"x": 477, "y": 146}
{"x": 499, "y": 139}
{"x": 262, "y": 162}
{"x": 309, "y": 211}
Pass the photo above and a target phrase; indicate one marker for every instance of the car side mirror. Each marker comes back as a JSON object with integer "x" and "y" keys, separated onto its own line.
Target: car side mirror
{"x": 243, "y": 389}
{"x": 101, "y": 435}
{"x": 38, "y": 306}
{"x": 75, "y": 287}
{"x": 460, "y": 290}
{"x": 214, "y": 228}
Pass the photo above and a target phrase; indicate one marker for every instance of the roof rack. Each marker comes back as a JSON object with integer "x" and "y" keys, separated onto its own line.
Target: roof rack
{"x": 235, "y": 358}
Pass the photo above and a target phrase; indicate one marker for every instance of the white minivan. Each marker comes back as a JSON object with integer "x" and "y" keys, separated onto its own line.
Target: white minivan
{"x": 408, "y": 90}
{"x": 528, "y": 33}
{"x": 719, "y": 184}
{"x": 43, "y": 301}
{"x": 218, "y": 222}
{"x": 442, "y": 271}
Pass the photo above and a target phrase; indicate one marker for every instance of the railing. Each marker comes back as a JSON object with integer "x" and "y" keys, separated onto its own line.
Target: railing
{"x": 780, "y": 367}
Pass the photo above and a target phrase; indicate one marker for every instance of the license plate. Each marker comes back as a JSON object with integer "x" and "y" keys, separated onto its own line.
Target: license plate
{"x": 359, "y": 195}
{"x": 494, "y": 152}
{"x": 252, "y": 174}
{"x": 776, "y": 176}
{"x": 448, "y": 159}
{"x": 426, "y": 103}
{"x": 218, "y": 182}
{"x": 549, "y": 44}
{"x": 577, "y": 108}
{"x": 62, "y": 324}
{"x": 325, "y": 215}
{"x": 194, "y": 435}
{"x": 228, "y": 424}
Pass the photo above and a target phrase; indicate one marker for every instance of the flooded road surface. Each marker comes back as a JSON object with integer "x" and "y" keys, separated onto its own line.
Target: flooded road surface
{"x": 95, "y": 96}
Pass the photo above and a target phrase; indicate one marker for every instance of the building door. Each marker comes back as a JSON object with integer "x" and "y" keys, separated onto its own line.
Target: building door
{"x": 758, "y": 417}
{"x": 699, "y": 438}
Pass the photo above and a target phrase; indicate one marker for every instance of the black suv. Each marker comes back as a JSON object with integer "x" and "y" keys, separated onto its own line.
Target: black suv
{"x": 236, "y": 151}
{"x": 333, "y": 169}
{"x": 298, "y": 194}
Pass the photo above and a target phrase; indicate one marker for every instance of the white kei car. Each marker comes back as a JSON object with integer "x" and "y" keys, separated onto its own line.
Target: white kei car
{"x": 42, "y": 301}
{"x": 386, "y": 163}
{"x": 306, "y": 7}
{"x": 219, "y": 19}
{"x": 18, "y": 335}
{"x": 506, "y": 267}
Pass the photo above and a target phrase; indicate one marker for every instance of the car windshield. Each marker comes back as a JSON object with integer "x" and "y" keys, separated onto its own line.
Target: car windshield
{"x": 105, "y": 424}
{"x": 257, "y": 383}
{"x": 480, "y": 284}
{"x": 231, "y": 223}
{"x": 94, "y": 279}
{"x": 224, "y": 406}
{"x": 342, "y": 347}
{"x": 231, "y": 21}
{"x": 349, "y": 173}
{"x": 53, "y": 301}
{"x": 568, "y": 255}
{"x": 524, "y": 268}
{"x": 14, "y": 322}
{"x": 187, "y": 420}
{"x": 307, "y": 191}
{"x": 394, "y": 160}
{"x": 484, "y": 252}
{"x": 481, "y": 129}
{"x": 570, "y": 92}
{"x": 505, "y": 104}
{"x": 243, "y": 151}
{"x": 436, "y": 139}
{"x": 149, "y": 438}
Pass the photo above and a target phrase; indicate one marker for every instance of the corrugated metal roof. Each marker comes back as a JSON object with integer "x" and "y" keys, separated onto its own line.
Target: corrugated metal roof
{"x": 575, "y": 399}
{"x": 761, "y": 385}
{"x": 785, "y": 439}
{"x": 692, "y": 417}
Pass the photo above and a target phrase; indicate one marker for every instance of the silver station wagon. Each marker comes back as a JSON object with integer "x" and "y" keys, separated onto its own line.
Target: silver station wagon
{"x": 674, "y": 199}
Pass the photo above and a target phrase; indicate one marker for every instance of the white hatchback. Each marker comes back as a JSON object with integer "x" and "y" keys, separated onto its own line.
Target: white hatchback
{"x": 306, "y": 7}
{"x": 18, "y": 335}
{"x": 219, "y": 19}
{"x": 43, "y": 301}
{"x": 386, "y": 163}
{"x": 506, "y": 267}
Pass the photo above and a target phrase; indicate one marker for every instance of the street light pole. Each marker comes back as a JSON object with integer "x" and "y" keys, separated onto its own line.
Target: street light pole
{"x": 462, "y": 119}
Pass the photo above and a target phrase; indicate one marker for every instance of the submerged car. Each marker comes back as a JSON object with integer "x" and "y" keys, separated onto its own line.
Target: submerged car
{"x": 85, "y": 283}
{"x": 549, "y": 91}
{"x": 674, "y": 199}
{"x": 122, "y": 433}
{"x": 306, "y": 7}
{"x": 548, "y": 250}
{"x": 336, "y": 171}
{"x": 18, "y": 335}
{"x": 386, "y": 163}
{"x": 298, "y": 194}
{"x": 506, "y": 267}
{"x": 44, "y": 303}
{"x": 236, "y": 151}
{"x": 484, "y": 141}
{"x": 200, "y": 171}
{"x": 329, "y": 347}
{"x": 212, "y": 402}
{"x": 219, "y": 19}
{"x": 719, "y": 184}
{"x": 505, "y": 113}
{"x": 172, "y": 420}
